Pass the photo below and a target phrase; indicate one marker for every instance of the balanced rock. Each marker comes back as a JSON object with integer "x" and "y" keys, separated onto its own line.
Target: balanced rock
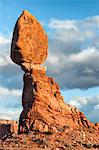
{"x": 30, "y": 42}
{"x": 44, "y": 109}
{"x": 46, "y": 118}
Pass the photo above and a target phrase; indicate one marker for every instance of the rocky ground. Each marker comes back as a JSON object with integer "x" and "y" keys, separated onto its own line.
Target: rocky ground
{"x": 67, "y": 139}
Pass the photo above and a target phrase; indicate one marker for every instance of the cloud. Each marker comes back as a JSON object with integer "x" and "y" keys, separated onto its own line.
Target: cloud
{"x": 10, "y": 82}
{"x": 7, "y": 92}
{"x": 3, "y": 40}
{"x": 10, "y": 74}
{"x": 91, "y": 22}
{"x": 10, "y": 115}
{"x": 79, "y": 70}
{"x": 89, "y": 105}
{"x": 74, "y": 52}
{"x": 10, "y": 103}
{"x": 65, "y": 24}
{"x": 10, "y": 98}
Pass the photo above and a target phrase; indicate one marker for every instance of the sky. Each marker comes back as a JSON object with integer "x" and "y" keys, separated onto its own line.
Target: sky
{"x": 73, "y": 61}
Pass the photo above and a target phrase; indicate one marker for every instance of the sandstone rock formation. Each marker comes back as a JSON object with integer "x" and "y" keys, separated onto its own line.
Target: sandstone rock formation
{"x": 44, "y": 109}
{"x": 49, "y": 122}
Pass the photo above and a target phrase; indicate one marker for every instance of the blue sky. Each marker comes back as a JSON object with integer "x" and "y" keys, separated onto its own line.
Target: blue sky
{"x": 73, "y": 61}
{"x": 46, "y": 9}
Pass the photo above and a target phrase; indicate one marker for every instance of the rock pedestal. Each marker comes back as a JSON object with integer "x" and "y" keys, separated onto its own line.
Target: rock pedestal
{"x": 44, "y": 109}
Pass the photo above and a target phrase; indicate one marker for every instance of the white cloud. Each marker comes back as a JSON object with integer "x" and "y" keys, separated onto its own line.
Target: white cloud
{"x": 5, "y": 60}
{"x": 84, "y": 55}
{"x": 74, "y": 52}
{"x": 4, "y": 40}
{"x": 10, "y": 92}
{"x": 92, "y": 21}
{"x": 10, "y": 73}
{"x": 10, "y": 115}
{"x": 97, "y": 107}
{"x": 10, "y": 103}
{"x": 53, "y": 59}
{"x": 10, "y": 99}
{"x": 89, "y": 105}
{"x": 64, "y": 24}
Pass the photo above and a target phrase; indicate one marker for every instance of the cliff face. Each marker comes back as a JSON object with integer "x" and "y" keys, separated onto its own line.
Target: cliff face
{"x": 46, "y": 122}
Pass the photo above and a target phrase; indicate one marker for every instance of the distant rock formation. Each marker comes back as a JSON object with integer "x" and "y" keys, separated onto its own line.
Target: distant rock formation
{"x": 8, "y": 127}
{"x": 44, "y": 109}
